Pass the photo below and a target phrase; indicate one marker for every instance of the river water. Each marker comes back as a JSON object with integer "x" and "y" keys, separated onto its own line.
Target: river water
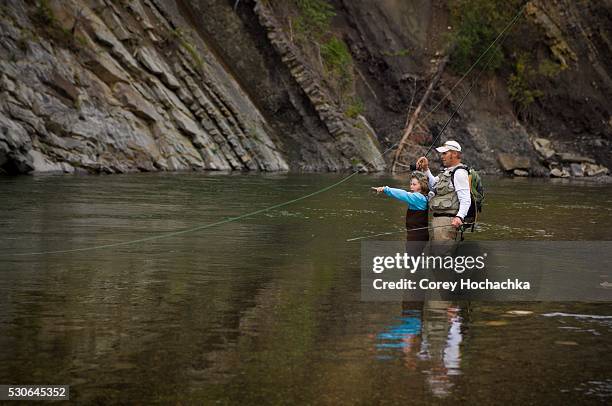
{"x": 267, "y": 309}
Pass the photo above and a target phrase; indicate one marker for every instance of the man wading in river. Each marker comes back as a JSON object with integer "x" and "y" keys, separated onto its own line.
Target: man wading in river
{"x": 452, "y": 197}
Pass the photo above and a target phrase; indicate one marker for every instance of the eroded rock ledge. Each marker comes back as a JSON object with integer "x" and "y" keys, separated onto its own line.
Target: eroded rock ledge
{"x": 356, "y": 139}
{"x": 108, "y": 87}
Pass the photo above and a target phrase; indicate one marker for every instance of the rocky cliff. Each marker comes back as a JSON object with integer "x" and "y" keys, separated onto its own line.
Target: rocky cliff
{"x": 103, "y": 86}
{"x": 144, "y": 85}
{"x": 552, "y": 85}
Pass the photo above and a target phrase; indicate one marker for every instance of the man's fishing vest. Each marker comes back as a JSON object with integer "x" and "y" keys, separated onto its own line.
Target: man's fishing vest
{"x": 445, "y": 201}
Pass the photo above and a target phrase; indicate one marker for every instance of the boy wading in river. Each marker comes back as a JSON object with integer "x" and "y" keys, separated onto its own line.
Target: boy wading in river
{"x": 416, "y": 213}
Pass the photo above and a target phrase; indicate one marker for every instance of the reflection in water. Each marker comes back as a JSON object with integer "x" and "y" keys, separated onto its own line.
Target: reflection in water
{"x": 578, "y": 316}
{"x": 428, "y": 333}
{"x": 402, "y": 335}
{"x": 267, "y": 310}
{"x": 597, "y": 389}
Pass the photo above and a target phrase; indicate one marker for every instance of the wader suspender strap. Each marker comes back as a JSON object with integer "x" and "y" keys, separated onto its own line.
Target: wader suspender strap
{"x": 463, "y": 228}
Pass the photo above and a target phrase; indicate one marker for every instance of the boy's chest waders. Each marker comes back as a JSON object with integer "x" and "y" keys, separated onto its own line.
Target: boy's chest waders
{"x": 417, "y": 219}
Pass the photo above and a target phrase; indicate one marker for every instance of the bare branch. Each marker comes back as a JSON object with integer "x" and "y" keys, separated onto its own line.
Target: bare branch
{"x": 413, "y": 119}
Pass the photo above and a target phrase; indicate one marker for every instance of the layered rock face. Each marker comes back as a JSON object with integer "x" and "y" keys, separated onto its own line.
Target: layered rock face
{"x": 314, "y": 133}
{"x": 396, "y": 44}
{"x": 102, "y": 86}
{"x": 110, "y": 86}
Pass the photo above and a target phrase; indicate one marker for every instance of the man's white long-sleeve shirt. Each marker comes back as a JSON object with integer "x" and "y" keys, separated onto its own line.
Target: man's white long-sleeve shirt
{"x": 462, "y": 187}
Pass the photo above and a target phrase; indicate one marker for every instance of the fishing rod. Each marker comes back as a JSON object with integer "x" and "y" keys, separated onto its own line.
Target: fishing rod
{"x": 501, "y": 34}
{"x": 435, "y": 140}
{"x": 413, "y": 167}
{"x": 401, "y": 231}
{"x": 276, "y": 206}
{"x": 434, "y": 143}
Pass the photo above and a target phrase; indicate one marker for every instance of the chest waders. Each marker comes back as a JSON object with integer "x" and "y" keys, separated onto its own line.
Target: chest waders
{"x": 416, "y": 225}
{"x": 417, "y": 231}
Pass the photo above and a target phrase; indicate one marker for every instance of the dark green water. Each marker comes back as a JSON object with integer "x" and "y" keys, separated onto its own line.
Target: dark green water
{"x": 267, "y": 309}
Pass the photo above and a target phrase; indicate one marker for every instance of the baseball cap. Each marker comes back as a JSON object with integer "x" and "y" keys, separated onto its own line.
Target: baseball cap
{"x": 449, "y": 146}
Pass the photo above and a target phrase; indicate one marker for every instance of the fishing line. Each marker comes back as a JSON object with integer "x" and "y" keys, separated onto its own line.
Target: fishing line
{"x": 465, "y": 95}
{"x": 391, "y": 232}
{"x": 506, "y": 28}
{"x": 402, "y": 231}
{"x": 190, "y": 230}
{"x": 197, "y": 228}
{"x": 232, "y": 219}
{"x": 451, "y": 117}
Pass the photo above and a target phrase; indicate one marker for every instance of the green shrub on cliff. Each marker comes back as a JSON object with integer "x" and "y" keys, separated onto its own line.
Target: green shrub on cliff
{"x": 522, "y": 93}
{"x": 43, "y": 13}
{"x": 477, "y": 23}
{"x": 355, "y": 107}
{"x": 182, "y": 38}
{"x": 549, "y": 68}
{"x": 338, "y": 61}
{"x": 310, "y": 28}
{"x": 315, "y": 16}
